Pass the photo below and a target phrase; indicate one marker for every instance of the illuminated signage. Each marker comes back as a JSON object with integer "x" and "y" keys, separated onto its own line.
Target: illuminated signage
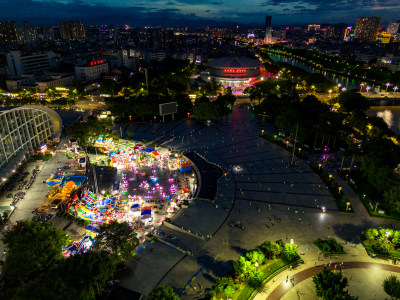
{"x": 96, "y": 62}
{"x": 235, "y": 71}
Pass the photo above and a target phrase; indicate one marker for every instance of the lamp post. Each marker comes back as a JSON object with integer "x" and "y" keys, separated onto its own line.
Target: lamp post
{"x": 330, "y": 176}
{"x": 387, "y": 85}
{"x": 361, "y": 86}
{"x": 395, "y": 89}
{"x": 347, "y": 206}
{"x": 319, "y": 166}
{"x": 368, "y": 88}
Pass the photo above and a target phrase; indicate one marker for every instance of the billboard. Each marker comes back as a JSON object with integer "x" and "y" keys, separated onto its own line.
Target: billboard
{"x": 168, "y": 108}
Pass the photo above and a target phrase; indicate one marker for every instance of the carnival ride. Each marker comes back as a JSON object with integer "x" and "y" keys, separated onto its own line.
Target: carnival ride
{"x": 60, "y": 195}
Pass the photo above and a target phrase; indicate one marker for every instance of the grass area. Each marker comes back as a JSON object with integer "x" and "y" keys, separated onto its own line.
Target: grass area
{"x": 340, "y": 197}
{"x": 367, "y": 194}
{"x": 269, "y": 271}
{"x": 330, "y": 246}
{"x": 278, "y": 141}
{"x": 381, "y": 242}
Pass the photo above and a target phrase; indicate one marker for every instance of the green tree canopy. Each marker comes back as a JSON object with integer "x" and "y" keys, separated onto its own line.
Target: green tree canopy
{"x": 32, "y": 247}
{"x": 81, "y": 276}
{"x": 117, "y": 238}
{"x": 163, "y": 293}
{"x": 206, "y": 111}
{"x": 331, "y": 286}
{"x": 391, "y": 286}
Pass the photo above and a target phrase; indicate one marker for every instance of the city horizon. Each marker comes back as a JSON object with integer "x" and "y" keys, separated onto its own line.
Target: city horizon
{"x": 191, "y": 13}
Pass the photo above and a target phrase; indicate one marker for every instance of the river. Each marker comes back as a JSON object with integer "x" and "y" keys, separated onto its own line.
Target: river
{"x": 346, "y": 82}
{"x": 390, "y": 114}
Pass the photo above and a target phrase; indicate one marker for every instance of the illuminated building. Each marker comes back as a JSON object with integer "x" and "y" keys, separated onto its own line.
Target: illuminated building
{"x": 236, "y": 72}
{"x": 393, "y": 27}
{"x": 347, "y": 33}
{"x": 367, "y": 28}
{"x": 268, "y": 30}
{"x": 335, "y": 31}
{"x": 24, "y": 129}
{"x": 72, "y": 30}
{"x": 314, "y": 27}
{"x": 92, "y": 70}
{"x": 19, "y": 63}
{"x": 8, "y": 32}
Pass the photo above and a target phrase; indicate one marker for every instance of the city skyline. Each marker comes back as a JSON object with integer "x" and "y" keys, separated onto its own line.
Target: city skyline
{"x": 200, "y": 13}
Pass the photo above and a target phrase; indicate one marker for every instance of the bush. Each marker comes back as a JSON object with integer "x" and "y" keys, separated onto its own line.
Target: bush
{"x": 330, "y": 246}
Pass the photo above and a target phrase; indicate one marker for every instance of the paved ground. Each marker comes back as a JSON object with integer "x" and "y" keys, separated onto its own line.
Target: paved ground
{"x": 366, "y": 281}
{"x": 259, "y": 184}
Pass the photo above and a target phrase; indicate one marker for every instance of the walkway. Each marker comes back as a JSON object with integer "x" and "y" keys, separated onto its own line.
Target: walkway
{"x": 286, "y": 285}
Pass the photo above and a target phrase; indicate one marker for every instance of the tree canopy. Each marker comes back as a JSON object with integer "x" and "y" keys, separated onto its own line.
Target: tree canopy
{"x": 32, "y": 247}
{"x": 117, "y": 238}
{"x": 331, "y": 286}
{"x": 163, "y": 293}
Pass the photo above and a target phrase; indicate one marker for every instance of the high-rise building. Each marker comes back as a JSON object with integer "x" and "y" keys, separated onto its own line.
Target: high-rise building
{"x": 268, "y": 29}
{"x": 19, "y": 63}
{"x": 8, "y": 32}
{"x": 393, "y": 28}
{"x": 335, "y": 31}
{"x": 367, "y": 28}
{"x": 27, "y": 33}
{"x": 72, "y": 30}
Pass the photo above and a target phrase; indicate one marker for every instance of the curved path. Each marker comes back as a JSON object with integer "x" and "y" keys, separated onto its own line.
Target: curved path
{"x": 285, "y": 286}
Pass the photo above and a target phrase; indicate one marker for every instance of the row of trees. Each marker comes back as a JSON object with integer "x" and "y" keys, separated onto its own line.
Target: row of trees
{"x": 34, "y": 265}
{"x": 168, "y": 81}
{"x": 334, "y": 64}
{"x": 250, "y": 268}
{"x": 52, "y": 96}
{"x": 341, "y": 124}
{"x": 86, "y": 132}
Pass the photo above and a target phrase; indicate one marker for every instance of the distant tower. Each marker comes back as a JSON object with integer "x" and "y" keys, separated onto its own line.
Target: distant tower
{"x": 268, "y": 30}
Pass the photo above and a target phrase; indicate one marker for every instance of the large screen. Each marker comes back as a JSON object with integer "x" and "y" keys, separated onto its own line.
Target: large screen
{"x": 168, "y": 108}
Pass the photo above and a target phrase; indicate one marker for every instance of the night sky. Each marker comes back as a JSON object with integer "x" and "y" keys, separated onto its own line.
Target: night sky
{"x": 142, "y": 12}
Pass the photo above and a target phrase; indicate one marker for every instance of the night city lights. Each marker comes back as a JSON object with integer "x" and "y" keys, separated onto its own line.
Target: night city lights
{"x": 200, "y": 150}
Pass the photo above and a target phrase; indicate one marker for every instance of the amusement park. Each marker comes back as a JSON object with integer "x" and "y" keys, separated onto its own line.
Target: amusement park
{"x": 149, "y": 185}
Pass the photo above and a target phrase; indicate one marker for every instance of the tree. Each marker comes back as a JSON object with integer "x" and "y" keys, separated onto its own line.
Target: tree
{"x": 206, "y": 111}
{"x": 142, "y": 109}
{"x": 391, "y": 286}
{"x": 290, "y": 252}
{"x": 255, "y": 256}
{"x": 32, "y": 247}
{"x": 351, "y": 102}
{"x": 331, "y": 286}
{"x": 92, "y": 128}
{"x": 80, "y": 276}
{"x": 163, "y": 293}
{"x": 117, "y": 238}
{"x": 271, "y": 249}
{"x": 229, "y": 291}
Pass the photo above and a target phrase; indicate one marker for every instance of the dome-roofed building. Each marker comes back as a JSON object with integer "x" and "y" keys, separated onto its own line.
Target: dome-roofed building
{"x": 24, "y": 129}
{"x": 237, "y": 72}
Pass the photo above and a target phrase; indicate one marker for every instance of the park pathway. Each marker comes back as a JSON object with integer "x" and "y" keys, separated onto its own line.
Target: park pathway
{"x": 297, "y": 278}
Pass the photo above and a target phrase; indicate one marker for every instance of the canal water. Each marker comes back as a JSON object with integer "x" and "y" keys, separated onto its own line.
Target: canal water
{"x": 390, "y": 114}
{"x": 346, "y": 82}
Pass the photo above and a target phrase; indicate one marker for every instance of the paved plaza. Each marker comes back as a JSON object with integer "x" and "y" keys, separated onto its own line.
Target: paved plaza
{"x": 258, "y": 185}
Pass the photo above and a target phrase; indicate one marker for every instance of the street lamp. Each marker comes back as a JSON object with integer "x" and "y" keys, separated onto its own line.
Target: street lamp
{"x": 395, "y": 89}
{"x": 344, "y": 89}
{"x": 368, "y": 88}
{"x": 387, "y": 85}
{"x": 330, "y": 176}
{"x": 287, "y": 144}
{"x": 361, "y": 86}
